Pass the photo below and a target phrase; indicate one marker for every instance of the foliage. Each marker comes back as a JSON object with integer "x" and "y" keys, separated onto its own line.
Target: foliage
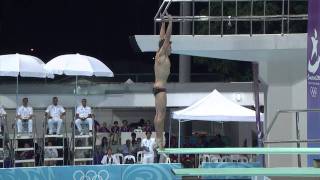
{"x": 236, "y": 70}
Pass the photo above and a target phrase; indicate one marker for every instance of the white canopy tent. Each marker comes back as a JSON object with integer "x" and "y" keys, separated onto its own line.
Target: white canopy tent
{"x": 215, "y": 107}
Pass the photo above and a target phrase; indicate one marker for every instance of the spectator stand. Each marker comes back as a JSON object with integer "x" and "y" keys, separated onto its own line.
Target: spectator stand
{"x": 57, "y": 140}
{"x": 24, "y": 145}
{"x": 83, "y": 145}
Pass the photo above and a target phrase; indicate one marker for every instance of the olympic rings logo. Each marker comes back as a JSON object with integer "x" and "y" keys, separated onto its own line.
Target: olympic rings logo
{"x": 313, "y": 91}
{"x": 91, "y": 175}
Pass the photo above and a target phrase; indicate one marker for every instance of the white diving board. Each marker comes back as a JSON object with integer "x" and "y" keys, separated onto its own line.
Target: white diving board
{"x": 259, "y": 47}
{"x": 219, "y": 0}
{"x": 275, "y": 150}
{"x": 278, "y": 172}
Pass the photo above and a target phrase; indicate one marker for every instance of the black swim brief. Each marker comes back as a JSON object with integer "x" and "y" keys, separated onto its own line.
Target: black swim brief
{"x": 156, "y": 90}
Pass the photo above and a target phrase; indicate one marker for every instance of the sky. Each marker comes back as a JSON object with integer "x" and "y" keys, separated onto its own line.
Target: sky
{"x": 99, "y": 28}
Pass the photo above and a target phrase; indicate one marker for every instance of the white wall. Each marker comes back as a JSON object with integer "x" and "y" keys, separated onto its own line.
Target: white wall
{"x": 286, "y": 83}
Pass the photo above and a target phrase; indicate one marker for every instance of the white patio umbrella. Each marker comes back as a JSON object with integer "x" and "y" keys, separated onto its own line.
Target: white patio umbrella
{"x": 15, "y": 65}
{"x": 78, "y": 65}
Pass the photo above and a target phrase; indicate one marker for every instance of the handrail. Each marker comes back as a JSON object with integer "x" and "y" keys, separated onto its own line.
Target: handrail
{"x": 282, "y": 16}
{"x": 286, "y": 111}
{"x": 298, "y": 141}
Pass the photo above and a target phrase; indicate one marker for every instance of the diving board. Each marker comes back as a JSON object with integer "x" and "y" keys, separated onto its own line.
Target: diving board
{"x": 216, "y": 0}
{"x": 273, "y": 150}
{"x": 288, "y": 172}
{"x": 259, "y": 47}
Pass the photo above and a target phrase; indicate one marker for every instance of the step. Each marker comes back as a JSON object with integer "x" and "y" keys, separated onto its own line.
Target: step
{"x": 24, "y": 161}
{"x": 83, "y": 147}
{"x": 82, "y": 136}
{"x": 24, "y": 137}
{"x": 23, "y": 149}
{"x": 54, "y": 136}
{"x": 53, "y": 147}
{"x": 53, "y": 159}
{"x": 83, "y": 159}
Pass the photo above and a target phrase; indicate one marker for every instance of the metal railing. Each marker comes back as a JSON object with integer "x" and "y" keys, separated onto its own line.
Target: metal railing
{"x": 285, "y": 17}
{"x": 298, "y": 141}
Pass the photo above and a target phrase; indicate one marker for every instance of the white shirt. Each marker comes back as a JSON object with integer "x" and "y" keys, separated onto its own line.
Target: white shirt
{"x": 50, "y": 153}
{"x": 109, "y": 160}
{"x": 2, "y": 111}
{"x": 149, "y": 143}
{"x": 83, "y": 112}
{"x": 55, "y": 111}
{"x": 25, "y": 112}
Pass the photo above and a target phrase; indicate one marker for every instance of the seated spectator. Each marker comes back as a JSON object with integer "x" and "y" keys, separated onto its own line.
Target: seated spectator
{"x": 108, "y": 158}
{"x": 201, "y": 142}
{"x": 50, "y": 153}
{"x": 125, "y": 127}
{"x": 137, "y": 147}
{"x": 3, "y": 115}
{"x": 187, "y": 161}
{"x": 100, "y": 150}
{"x": 187, "y": 142}
{"x": 104, "y": 128}
{"x": 115, "y": 128}
{"x": 104, "y": 144}
{"x": 27, "y": 155}
{"x": 137, "y": 125}
{"x": 126, "y": 149}
{"x": 133, "y": 138}
{"x": 218, "y": 142}
{"x": 115, "y": 134}
{"x": 148, "y": 126}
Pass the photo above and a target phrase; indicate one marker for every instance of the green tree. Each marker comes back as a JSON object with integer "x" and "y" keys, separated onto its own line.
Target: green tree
{"x": 237, "y": 70}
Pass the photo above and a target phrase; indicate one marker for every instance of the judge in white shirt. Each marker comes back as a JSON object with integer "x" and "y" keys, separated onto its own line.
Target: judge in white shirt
{"x": 148, "y": 145}
{"x": 84, "y": 113}
{"x": 3, "y": 115}
{"x": 24, "y": 113}
{"x": 108, "y": 158}
{"x": 54, "y": 114}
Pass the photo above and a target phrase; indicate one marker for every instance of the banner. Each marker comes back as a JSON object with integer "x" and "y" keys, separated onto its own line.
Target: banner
{"x": 94, "y": 172}
{"x": 313, "y": 74}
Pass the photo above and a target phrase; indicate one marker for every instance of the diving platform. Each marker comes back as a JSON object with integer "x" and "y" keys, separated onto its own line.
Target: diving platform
{"x": 269, "y": 172}
{"x": 259, "y": 47}
{"x": 273, "y": 150}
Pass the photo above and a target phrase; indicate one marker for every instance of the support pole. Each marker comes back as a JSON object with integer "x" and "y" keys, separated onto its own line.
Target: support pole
{"x": 298, "y": 137}
{"x": 255, "y": 70}
{"x": 17, "y": 91}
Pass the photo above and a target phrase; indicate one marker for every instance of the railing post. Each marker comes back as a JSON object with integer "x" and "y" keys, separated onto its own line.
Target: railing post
{"x": 282, "y": 21}
{"x": 264, "y": 15}
{"x": 236, "y": 20}
{"x": 221, "y": 18}
{"x": 193, "y": 17}
{"x": 288, "y": 18}
{"x": 209, "y": 14}
{"x": 251, "y": 13}
{"x": 298, "y": 137}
